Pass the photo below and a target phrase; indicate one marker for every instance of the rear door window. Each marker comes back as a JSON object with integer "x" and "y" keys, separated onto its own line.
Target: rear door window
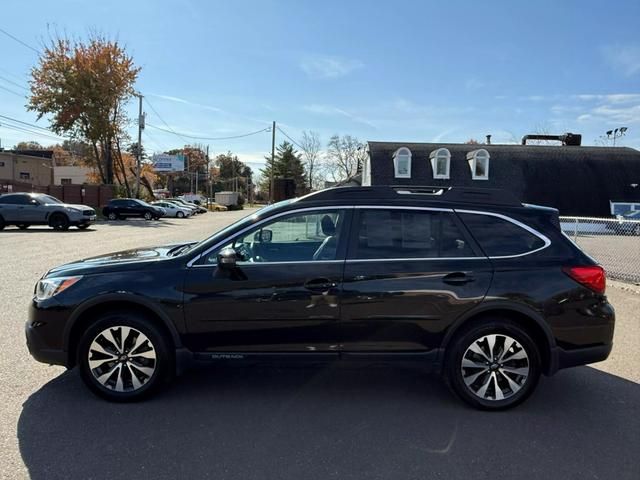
{"x": 397, "y": 233}
{"x": 499, "y": 237}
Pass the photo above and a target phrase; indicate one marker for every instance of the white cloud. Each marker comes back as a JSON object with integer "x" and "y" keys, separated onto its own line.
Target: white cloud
{"x": 324, "y": 66}
{"x": 610, "y": 98}
{"x": 335, "y": 111}
{"x": 625, "y": 59}
{"x": 186, "y": 102}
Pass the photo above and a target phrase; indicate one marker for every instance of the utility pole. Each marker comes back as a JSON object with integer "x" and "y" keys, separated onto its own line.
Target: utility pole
{"x": 273, "y": 156}
{"x": 208, "y": 177}
{"x": 139, "y": 149}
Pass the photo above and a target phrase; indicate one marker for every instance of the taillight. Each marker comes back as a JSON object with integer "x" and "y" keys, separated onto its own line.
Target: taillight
{"x": 593, "y": 277}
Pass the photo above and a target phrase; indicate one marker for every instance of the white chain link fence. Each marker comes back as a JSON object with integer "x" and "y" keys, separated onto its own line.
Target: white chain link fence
{"x": 614, "y": 243}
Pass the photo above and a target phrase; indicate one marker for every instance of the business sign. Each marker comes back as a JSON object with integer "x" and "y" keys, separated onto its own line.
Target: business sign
{"x": 164, "y": 162}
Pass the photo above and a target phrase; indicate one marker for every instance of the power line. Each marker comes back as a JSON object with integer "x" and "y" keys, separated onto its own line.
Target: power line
{"x": 181, "y": 135}
{"x": 294, "y": 142}
{"x": 163, "y": 121}
{"x": 14, "y": 83}
{"x": 20, "y": 41}
{"x": 27, "y": 124}
{"x": 32, "y": 132}
{"x": 11, "y": 91}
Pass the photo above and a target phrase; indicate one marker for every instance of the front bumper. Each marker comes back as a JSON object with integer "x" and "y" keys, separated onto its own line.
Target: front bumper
{"x": 44, "y": 331}
{"x": 83, "y": 220}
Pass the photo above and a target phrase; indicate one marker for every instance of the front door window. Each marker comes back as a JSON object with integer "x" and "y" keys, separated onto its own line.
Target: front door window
{"x": 299, "y": 237}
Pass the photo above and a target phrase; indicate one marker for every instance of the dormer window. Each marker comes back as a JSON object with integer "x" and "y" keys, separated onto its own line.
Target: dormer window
{"x": 479, "y": 164}
{"x": 440, "y": 163}
{"x": 402, "y": 163}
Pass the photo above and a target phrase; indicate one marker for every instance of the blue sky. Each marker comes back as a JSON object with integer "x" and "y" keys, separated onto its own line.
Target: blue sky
{"x": 402, "y": 70}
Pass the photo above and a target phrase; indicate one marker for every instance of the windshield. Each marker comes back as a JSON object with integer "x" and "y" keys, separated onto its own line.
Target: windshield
{"x": 46, "y": 199}
{"x": 248, "y": 220}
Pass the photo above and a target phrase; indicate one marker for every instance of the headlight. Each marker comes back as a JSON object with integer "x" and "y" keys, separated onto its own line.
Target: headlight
{"x": 48, "y": 287}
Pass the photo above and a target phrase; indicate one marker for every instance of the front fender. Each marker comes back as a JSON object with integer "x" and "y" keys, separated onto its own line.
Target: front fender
{"x": 120, "y": 298}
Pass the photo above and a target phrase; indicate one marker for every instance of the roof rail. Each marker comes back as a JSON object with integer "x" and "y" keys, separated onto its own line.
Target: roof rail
{"x": 487, "y": 196}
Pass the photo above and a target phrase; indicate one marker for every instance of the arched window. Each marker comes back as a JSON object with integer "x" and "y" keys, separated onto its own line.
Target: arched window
{"x": 479, "y": 164}
{"x": 440, "y": 162}
{"x": 402, "y": 163}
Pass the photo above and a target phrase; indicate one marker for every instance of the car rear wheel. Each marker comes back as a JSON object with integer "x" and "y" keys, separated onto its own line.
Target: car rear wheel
{"x": 23, "y": 226}
{"x": 2, "y": 223}
{"x": 59, "y": 221}
{"x": 148, "y": 216}
{"x": 124, "y": 357}
{"x": 493, "y": 365}
{"x": 112, "y": 216}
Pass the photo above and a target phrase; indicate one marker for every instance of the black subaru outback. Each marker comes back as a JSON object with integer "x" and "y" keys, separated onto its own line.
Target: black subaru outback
{"x": 470, "y": 282}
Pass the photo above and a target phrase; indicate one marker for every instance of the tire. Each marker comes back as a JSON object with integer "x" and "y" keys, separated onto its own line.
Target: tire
{"x": 488, "y": 379}
{"x": 83, "y": 226}
{"x": 59, "y": 221}
{"x": 148, "y": 216}
{"x": 180, "y": 215}
{"x": 23, "y": 226}
{"x": 107, "y": 366}
{"x": 2, "y": 224}
{"x": 112, "y": 216}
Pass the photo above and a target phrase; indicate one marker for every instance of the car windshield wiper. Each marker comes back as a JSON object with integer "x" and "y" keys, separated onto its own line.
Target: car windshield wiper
{"x": 175, "y": 251}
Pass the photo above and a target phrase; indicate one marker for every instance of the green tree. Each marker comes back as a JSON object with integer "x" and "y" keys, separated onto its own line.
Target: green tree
{"x": 231, "y": 166}
{"x": 84, "y": 87}
{"x": 287, "y": 164}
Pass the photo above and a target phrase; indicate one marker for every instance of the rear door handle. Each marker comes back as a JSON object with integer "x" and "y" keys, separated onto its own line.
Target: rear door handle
{"x": 319, "y": 284}
{"x": 458, "y": 278}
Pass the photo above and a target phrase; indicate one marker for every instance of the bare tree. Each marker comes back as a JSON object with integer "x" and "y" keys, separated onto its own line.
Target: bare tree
{"x": 345, "y": 157}
{"x": 310, "y": 145}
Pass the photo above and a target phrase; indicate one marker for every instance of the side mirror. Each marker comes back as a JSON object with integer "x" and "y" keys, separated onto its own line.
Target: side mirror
{"x": 227, "y": 258}
{"x": 263, "y": 236}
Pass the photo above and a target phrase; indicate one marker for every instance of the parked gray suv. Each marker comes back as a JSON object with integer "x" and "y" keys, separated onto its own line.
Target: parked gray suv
{"x": 26, "y": 209}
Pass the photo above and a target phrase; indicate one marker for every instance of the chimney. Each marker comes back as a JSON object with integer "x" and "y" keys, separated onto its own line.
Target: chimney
{"x": 488, "y": 140}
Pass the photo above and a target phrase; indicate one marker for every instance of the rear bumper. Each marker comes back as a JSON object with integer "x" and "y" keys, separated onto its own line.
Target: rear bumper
{"x": 561, "y": 358}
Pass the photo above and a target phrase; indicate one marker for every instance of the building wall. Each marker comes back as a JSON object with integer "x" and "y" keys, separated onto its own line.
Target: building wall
{"x": 77, "y": 175}
{"x": 575, "y": 180}
{"x": 35, "y": 170}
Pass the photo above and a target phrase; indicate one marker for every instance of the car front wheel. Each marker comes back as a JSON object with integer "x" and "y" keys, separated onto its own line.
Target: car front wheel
{"x": 59, "y": 221}
{"x": 124, "y": 357}
{"x": 493, "y": 365}
{"x": 112, "y": 216}
{"x": 180, "y": 215}
{"x": 148, "y": 216}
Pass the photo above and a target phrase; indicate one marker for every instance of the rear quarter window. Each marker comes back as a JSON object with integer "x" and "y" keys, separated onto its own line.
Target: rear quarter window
{"x": 499, "y": 237}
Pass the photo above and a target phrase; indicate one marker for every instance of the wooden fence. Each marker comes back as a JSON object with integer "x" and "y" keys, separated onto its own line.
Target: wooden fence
{"x": 92, "y": 195}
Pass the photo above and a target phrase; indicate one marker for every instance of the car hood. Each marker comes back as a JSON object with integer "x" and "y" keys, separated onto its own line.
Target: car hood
{"x": 70, "y": 205}
{"x": 122, "y": 260}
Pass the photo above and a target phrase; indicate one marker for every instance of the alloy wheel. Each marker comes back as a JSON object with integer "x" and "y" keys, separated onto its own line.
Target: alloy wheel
{"x": 122, "y": 359}
{"x": 495, "y": 367}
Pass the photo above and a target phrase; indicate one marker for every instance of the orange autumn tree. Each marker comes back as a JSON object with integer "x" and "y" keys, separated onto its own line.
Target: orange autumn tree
{"x": 84, "y": 87}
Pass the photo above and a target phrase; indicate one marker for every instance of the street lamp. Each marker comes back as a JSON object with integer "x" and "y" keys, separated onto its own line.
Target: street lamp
{"x": 616, "y": 133}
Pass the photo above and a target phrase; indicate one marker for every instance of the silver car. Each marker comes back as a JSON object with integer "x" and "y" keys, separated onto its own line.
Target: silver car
{"x": 26, "y": 209}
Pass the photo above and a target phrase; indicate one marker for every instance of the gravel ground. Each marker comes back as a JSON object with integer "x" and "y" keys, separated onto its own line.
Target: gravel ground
{"x": 331, "y": 422}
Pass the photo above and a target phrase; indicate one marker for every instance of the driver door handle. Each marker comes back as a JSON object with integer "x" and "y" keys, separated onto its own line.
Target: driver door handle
{"x": 458, "y": 278}
{"x": 319, "y": 284}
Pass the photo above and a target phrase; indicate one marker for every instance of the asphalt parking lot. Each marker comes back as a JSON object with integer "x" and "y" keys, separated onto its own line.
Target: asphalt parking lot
{"x": 298, "y": 423}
